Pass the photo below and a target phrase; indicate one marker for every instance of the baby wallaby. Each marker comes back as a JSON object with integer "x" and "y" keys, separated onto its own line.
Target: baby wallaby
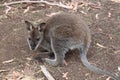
{"x": 60, "y": 33}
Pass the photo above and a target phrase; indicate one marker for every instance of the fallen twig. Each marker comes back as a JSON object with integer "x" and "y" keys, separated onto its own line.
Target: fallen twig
{"x": 100, "y": 45}
{"x": 85, "y": 3}
{"x": 46, "y": 73}
{"x": 41, "y": 1}
{"x": 8, "y": 9}
{"x": 8, "y": 61}
{"x": 65, "y": 63}
{"x": 108, "y": 78}
{"x": 118, "y": 51}
{"x": 3, "y": 71}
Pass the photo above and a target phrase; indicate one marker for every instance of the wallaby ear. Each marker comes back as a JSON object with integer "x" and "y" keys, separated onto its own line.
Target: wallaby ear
{"x": 42, "y": 26}
{"x": 29, "y": 25}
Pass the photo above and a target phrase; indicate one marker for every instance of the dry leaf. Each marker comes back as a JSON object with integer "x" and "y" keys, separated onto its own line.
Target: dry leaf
{"x": 8, "y": 61}
{"x": 74, "y": 4}
{"x": 26, "y": 10}
{"x": 109, "y": 14}
{"x": 8, "y": 9}
{"x": 118, "y": 51}
{"x": 96, "y": 16}
{"x": 100, "y": 45}
{"x": 3, "y": 71}
{"x": 51, "y": 14}
{"x": 108, "y": 78}
{"x": 65, "y": 63}
{"x": 65, "y": 75}
{"x": 29, "y": 59}
{"x": 83, "y": 12}
{"x": 110, "y": 37}
{"x": 16, "y": 75}
{"x": 87, "y": 74}
{"x": 100, "y": 29}
{"x": 118, "y": 1}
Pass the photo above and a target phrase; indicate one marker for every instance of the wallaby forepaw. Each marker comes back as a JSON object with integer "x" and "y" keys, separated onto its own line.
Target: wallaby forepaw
{"x": 51, "y": 62}
{"x": 38, "y": 59}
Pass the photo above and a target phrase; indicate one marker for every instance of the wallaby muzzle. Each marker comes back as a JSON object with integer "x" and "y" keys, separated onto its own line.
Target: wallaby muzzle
{"x": 32, "y": 45}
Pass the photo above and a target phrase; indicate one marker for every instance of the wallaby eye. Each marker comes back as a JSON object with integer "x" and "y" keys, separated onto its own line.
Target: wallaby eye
{"x": 29, "y": 39}
{"x": 38, "y": 39}
{"x": 40, "y": 30}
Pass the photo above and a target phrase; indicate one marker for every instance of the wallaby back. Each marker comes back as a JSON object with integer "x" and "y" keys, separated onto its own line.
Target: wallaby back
{"x": 68, "y": 26}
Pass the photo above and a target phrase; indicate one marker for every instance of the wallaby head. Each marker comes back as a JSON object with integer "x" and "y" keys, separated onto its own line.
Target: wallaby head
{"x": 35, "y": 34}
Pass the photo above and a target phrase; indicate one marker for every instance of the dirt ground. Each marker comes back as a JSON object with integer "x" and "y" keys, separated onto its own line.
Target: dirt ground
{"x": 104, "y": 52}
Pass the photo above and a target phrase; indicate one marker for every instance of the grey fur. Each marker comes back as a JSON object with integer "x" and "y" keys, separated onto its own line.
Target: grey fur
{"x": 67, "y": 31}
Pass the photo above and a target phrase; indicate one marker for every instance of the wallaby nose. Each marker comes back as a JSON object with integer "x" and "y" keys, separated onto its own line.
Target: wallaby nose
{"x": 33, "y": 46}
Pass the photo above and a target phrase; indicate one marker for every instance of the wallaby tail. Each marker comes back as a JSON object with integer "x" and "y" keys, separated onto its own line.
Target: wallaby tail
{"x": 95, "y": 69}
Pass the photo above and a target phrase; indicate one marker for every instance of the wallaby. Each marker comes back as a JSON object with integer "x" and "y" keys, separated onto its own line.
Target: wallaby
{"x": 60, "y": 33}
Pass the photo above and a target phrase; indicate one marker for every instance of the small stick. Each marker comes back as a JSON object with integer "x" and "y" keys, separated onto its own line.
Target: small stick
{"x": 46, "y": 73}
{"x": 41, "y": 1}
{"x": 3, "y": 71}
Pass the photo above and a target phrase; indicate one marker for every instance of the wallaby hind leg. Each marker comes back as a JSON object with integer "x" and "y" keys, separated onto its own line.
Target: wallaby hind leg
{"x": 59, "y": 53}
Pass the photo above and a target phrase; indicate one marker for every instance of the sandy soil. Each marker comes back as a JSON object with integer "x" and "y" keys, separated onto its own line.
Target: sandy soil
{"x": 104, "y": 52}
